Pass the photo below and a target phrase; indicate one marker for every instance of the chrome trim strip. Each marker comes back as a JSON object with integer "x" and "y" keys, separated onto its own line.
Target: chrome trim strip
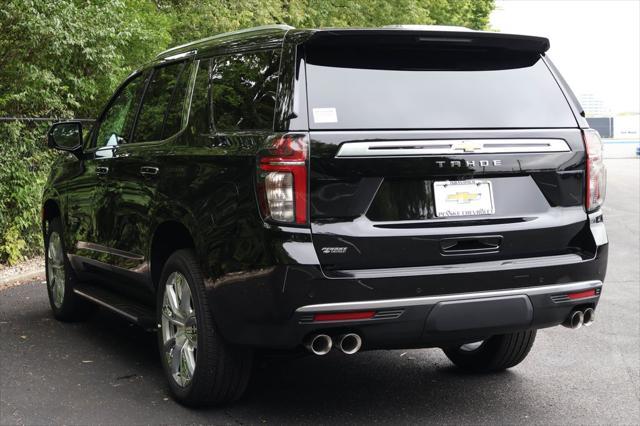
{"x": 410, "y": 148}
{"x": 108, "y": 250}
{"x": 432, "y": 300}
{"x": 106, "y": 305}
{"x": 286, "y": 163}
{"x": 464, "y": 268}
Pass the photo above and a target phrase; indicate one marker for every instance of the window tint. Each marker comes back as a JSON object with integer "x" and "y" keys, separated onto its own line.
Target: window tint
{"x": 243, "y": 90}
{"x": 430, "y": 88}
{"x": 115, "y": 126}
{"x": 161, "y": 112}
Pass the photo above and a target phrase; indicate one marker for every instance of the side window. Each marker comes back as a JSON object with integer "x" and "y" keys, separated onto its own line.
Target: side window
{"x": 117, "y": 121}
{"x": 161, "y": 112}
{"x": 201, "y": 109}
{"x": 243, "y": 90}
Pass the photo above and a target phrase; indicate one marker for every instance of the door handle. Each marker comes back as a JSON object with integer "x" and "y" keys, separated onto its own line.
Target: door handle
{"x": 471, "y": 245}
{"x": 149, "y": 171}
{"x": 102, "y": 171}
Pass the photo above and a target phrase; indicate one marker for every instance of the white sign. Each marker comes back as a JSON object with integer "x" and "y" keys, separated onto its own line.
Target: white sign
{"x": 325, "y": 115}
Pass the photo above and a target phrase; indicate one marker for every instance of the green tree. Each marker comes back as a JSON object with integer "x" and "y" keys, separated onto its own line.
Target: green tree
{"x": 64, "y": 58}
{"x": 193, "y": 19}
{"x": 372, "y": 13}
{"x": 58, "y": 58}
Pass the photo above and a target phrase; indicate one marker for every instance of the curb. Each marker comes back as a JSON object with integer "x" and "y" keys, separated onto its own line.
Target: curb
{"x": 22, "y": 278}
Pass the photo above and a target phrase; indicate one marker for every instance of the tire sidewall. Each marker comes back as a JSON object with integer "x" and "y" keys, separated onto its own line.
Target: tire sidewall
{"x": 496, "y": 353}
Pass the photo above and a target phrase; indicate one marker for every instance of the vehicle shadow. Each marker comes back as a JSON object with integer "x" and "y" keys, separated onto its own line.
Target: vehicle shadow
{"x": 383, "y": 386}
{"x": 377, "y": 386}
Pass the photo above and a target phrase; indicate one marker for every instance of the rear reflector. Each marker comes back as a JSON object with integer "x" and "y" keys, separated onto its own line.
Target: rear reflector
{"x": 344, "y": 316}
{"x": 582, "y": 294}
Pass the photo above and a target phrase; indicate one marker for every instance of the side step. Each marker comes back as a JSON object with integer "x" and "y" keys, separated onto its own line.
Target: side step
{"x": 137, "y": 313}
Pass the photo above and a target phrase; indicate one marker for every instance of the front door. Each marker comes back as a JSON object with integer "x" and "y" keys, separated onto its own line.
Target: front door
{"x": 95, "y": 244}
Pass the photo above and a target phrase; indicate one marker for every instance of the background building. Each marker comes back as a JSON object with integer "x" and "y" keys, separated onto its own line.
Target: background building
{"x": 593, "y": 105}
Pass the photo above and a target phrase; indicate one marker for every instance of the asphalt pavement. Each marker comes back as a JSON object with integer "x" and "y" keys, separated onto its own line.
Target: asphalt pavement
{"x": 107, "y": 371}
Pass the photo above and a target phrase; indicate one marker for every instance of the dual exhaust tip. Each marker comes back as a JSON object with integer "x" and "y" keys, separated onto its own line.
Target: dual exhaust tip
{"x": 321, "y": 344}
{"x": 578, "y": 318}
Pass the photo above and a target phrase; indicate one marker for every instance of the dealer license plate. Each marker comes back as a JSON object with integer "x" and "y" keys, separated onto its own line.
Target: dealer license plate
{"x": 463, "y": 198}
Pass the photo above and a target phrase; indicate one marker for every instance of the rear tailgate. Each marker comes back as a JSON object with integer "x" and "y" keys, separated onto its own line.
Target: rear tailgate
{"x": 436, "y": 154}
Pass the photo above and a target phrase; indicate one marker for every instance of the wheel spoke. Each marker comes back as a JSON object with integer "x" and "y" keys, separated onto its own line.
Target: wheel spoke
{"x": 59, "y": 274}
{"x": 185, "y": 299}
{"x": 172, "y": 297}
{"x": 172, "y": 320}
{"x": 176, "y": 357}
{"x": 189, "y": 358}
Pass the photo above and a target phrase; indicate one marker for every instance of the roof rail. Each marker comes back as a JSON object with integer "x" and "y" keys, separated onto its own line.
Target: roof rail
{"x": 427, "y": 27}
{"x": 221, "y": 35}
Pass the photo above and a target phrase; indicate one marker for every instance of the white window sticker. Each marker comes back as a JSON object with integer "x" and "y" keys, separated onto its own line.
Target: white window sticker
{"x": 325, "y": 115}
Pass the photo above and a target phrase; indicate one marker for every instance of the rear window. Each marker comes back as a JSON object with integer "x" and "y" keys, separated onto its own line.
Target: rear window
{"x": 432, "y": 89}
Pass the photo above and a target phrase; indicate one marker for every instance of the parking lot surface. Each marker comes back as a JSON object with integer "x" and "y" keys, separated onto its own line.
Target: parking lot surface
{"x": 107, "y": 371}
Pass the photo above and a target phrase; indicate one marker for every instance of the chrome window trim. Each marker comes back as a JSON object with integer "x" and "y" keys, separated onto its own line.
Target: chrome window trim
{"x": 411, "y": 148}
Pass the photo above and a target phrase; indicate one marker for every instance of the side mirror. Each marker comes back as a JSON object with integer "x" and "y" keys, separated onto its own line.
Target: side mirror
{"x": 65, "y": 136}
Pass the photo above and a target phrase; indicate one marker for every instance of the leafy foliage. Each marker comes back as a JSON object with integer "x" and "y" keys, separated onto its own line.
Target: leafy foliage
{"x": 64, "y": 58}
{"x": 58, "y": 58}
{"x": 24, "y": 166}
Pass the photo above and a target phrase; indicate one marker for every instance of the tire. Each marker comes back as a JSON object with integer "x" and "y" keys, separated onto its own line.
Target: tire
{"x": 494, "y": 354}
{"x": 61, "y": 279}
{"x": 201, "y": 368}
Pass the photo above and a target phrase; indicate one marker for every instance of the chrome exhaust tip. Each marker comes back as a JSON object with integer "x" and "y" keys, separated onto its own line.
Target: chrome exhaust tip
{"x": 589, "y": 317}
{"x": 574, "y": 320}
{"x": 320, "y": 344}
{"x": 349, "y": 343}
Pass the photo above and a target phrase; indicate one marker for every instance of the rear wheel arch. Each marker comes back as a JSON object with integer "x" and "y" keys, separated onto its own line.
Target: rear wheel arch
{"x": 168, "y": 237}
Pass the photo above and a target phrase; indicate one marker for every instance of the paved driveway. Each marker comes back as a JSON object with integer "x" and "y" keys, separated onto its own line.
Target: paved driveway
{"x": 107, "y": 371}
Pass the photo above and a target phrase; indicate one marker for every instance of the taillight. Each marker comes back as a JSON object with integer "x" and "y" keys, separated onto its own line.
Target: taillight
{"x": 596, "y": 172}
{"x": 282, "y": 179}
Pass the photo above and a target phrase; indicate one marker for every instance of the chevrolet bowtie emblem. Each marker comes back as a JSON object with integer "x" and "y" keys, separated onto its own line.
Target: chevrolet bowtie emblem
{"x": 463, "y": 197}
{"x": 467, "y": 146}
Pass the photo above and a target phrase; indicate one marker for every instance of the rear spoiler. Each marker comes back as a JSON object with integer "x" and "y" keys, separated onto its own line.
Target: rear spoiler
{"x": 462, "y": 39}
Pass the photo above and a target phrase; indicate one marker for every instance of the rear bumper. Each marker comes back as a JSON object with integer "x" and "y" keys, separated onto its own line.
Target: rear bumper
{"x": 438, "y": 320}
{"x": 274, "y": 307}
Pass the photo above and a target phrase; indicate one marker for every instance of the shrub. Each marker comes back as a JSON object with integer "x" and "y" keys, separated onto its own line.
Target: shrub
{"x": 24, "y": 166}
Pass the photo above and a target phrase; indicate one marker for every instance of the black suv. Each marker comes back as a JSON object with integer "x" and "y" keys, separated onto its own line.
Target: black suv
{"x": 278, "y": 188}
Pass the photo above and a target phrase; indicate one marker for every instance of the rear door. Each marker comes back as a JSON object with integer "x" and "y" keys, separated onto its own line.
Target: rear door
{"x": 437, "y": 154}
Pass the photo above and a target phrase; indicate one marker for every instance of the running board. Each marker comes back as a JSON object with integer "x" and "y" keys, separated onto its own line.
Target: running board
{"x": 134, "y": 312}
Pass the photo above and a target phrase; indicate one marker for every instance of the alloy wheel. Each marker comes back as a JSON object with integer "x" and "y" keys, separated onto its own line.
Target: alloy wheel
{"x": 179, "y": 329}
{"x": 470, "y": 347}
{"x": 55, "y": 269}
